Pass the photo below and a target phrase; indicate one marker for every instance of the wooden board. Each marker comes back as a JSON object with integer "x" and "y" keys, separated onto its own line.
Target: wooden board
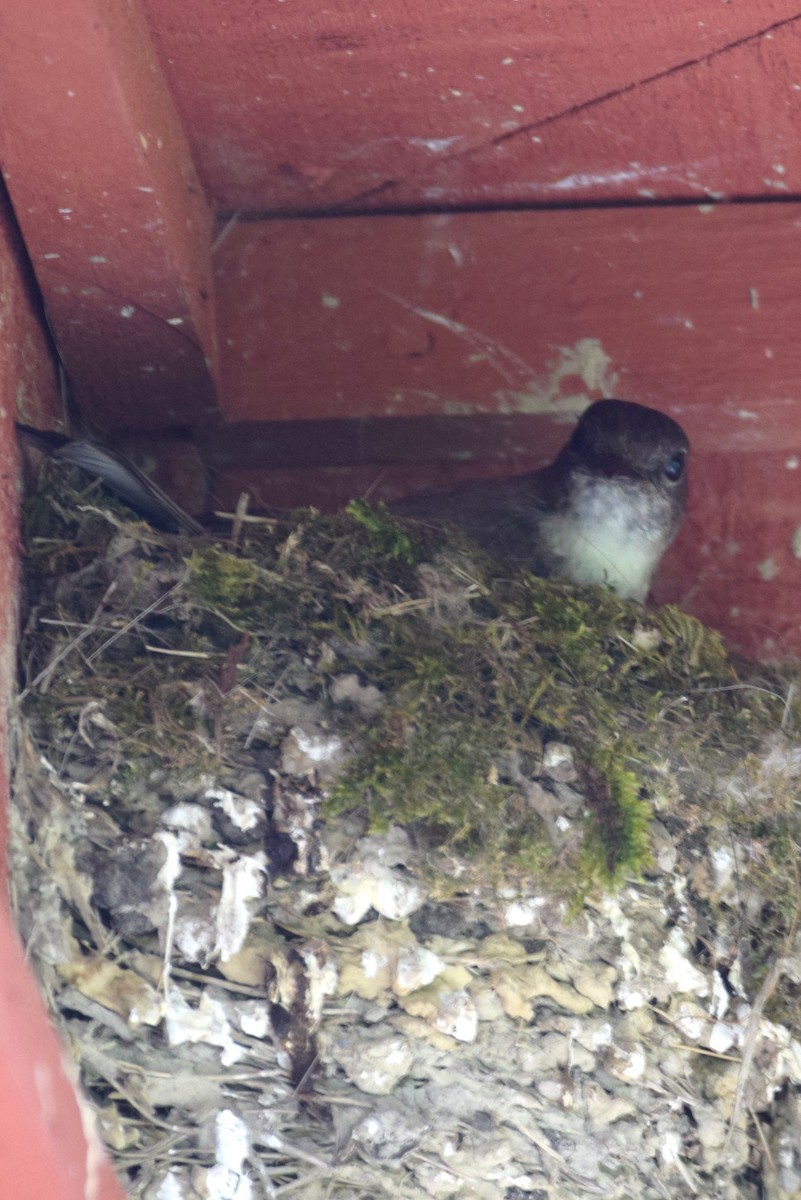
{"x": 110, "y": 206}
{"x": 435, "y": 104}
{"x": 693, "y": 309}
{"x": 48, "y": 1147}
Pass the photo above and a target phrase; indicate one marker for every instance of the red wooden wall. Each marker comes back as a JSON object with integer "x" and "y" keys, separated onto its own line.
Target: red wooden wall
{"x": 47, "y": 1144}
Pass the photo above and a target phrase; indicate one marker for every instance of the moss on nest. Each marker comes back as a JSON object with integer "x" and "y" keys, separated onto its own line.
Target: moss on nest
{"x": 477, "y": 667}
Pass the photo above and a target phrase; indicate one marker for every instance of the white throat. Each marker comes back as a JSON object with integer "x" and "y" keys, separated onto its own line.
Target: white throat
{"x": 614, "y": 532}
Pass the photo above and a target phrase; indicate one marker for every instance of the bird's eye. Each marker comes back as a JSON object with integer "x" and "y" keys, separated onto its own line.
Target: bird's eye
{"x": 674, "y": 467}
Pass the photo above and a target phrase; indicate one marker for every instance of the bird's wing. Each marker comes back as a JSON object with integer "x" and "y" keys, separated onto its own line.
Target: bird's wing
{"x": 501, "y": 515}
{"x": 119, "y": 474}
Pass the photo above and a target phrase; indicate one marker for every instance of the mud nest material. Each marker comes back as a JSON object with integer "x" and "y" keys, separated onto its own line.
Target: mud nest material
{"x": 354, "y": 865}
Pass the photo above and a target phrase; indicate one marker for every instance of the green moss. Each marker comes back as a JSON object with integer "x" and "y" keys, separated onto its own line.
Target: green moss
{"x": 237, "y": 587}
{"x": 616, "y": 842}
{"x": 478, "y": 668}
{"x": 389, "y": 535}
{"x": 517, "y": 660}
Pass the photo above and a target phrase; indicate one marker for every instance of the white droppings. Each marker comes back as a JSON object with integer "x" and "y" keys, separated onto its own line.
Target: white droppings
{"x": 240, "y": 810}
{"x": 791, "y": 463}
{"x": 416, "y": 968}
{"x": 127, "y": 310}
{"x": 206, "y": 1024}
{"x": 754, "y": 297}
{"x": 189, "y": 818}
{"x": 629, "y": 998}
{"x": 242, "y": 881}
{"x": 171, "y": 1188}
{"x": 305, "y": 751}
{"x": 372, "y": 964}
{"x": 721, "y": 1038}
{"x": 523, "y": 912}
{"x": 175, "y": 320}
{"x": 795, "y": 542}
{"x": 141, "y": 188}
{"x": 435, "y": 145}
{"x": 635, "y": 1064}
{"x": 722, "y": 861}
{"x": 52, "y": 254}
{"x": 745, "y": 414}
{"x": 720, "y": 997}
{"x": 255, "y": 1022}
{"x": 227, "y": 1179}
{"x": 768, "y": 569}
{"x": 681, "y": 974}
{"x": 670, "y": 1149}
{"x": 689, "y": 1024}
{"x": 601, "y": 1037}
{"x": 570, "y": 183}
{"x": 329, "y": 301}
{"x": 457, "y": 1016}
{"x": 635, "y": 172}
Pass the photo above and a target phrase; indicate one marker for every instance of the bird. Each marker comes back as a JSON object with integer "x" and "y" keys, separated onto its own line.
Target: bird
{"x": 603, "y": 512}
{"x": 118, "y": 473}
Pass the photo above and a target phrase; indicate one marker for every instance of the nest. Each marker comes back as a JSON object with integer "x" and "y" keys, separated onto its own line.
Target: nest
{"x": 352, "y": 865}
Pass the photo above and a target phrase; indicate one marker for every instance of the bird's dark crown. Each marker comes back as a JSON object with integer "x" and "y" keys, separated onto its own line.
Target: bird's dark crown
{"x": 621, "y": 438}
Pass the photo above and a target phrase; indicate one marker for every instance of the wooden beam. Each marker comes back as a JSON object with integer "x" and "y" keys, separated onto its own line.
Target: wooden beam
{"x": 413, "y": 105}
{"x": 694, "y": 309}
{"x": 48, "y": 1145}
{"x": 29, "y": 393}
{"x": 111, "y": 208}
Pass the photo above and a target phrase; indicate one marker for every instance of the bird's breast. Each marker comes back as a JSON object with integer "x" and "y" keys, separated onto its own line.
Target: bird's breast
{"x": 612, "y": 531}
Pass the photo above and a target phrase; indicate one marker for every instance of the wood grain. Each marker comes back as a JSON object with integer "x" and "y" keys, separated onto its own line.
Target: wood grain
{"x": 435, "y": 104}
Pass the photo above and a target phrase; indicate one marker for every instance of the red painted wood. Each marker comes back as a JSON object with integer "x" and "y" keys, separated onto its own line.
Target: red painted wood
{"x": 737, "y": 562}
{"x": 112, "y": 211}
{"x": 435, "y": 104}
{"x": 48, "y": 1148}
{"x": 692, "y": 309}
{"x": 27, "y": 383}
